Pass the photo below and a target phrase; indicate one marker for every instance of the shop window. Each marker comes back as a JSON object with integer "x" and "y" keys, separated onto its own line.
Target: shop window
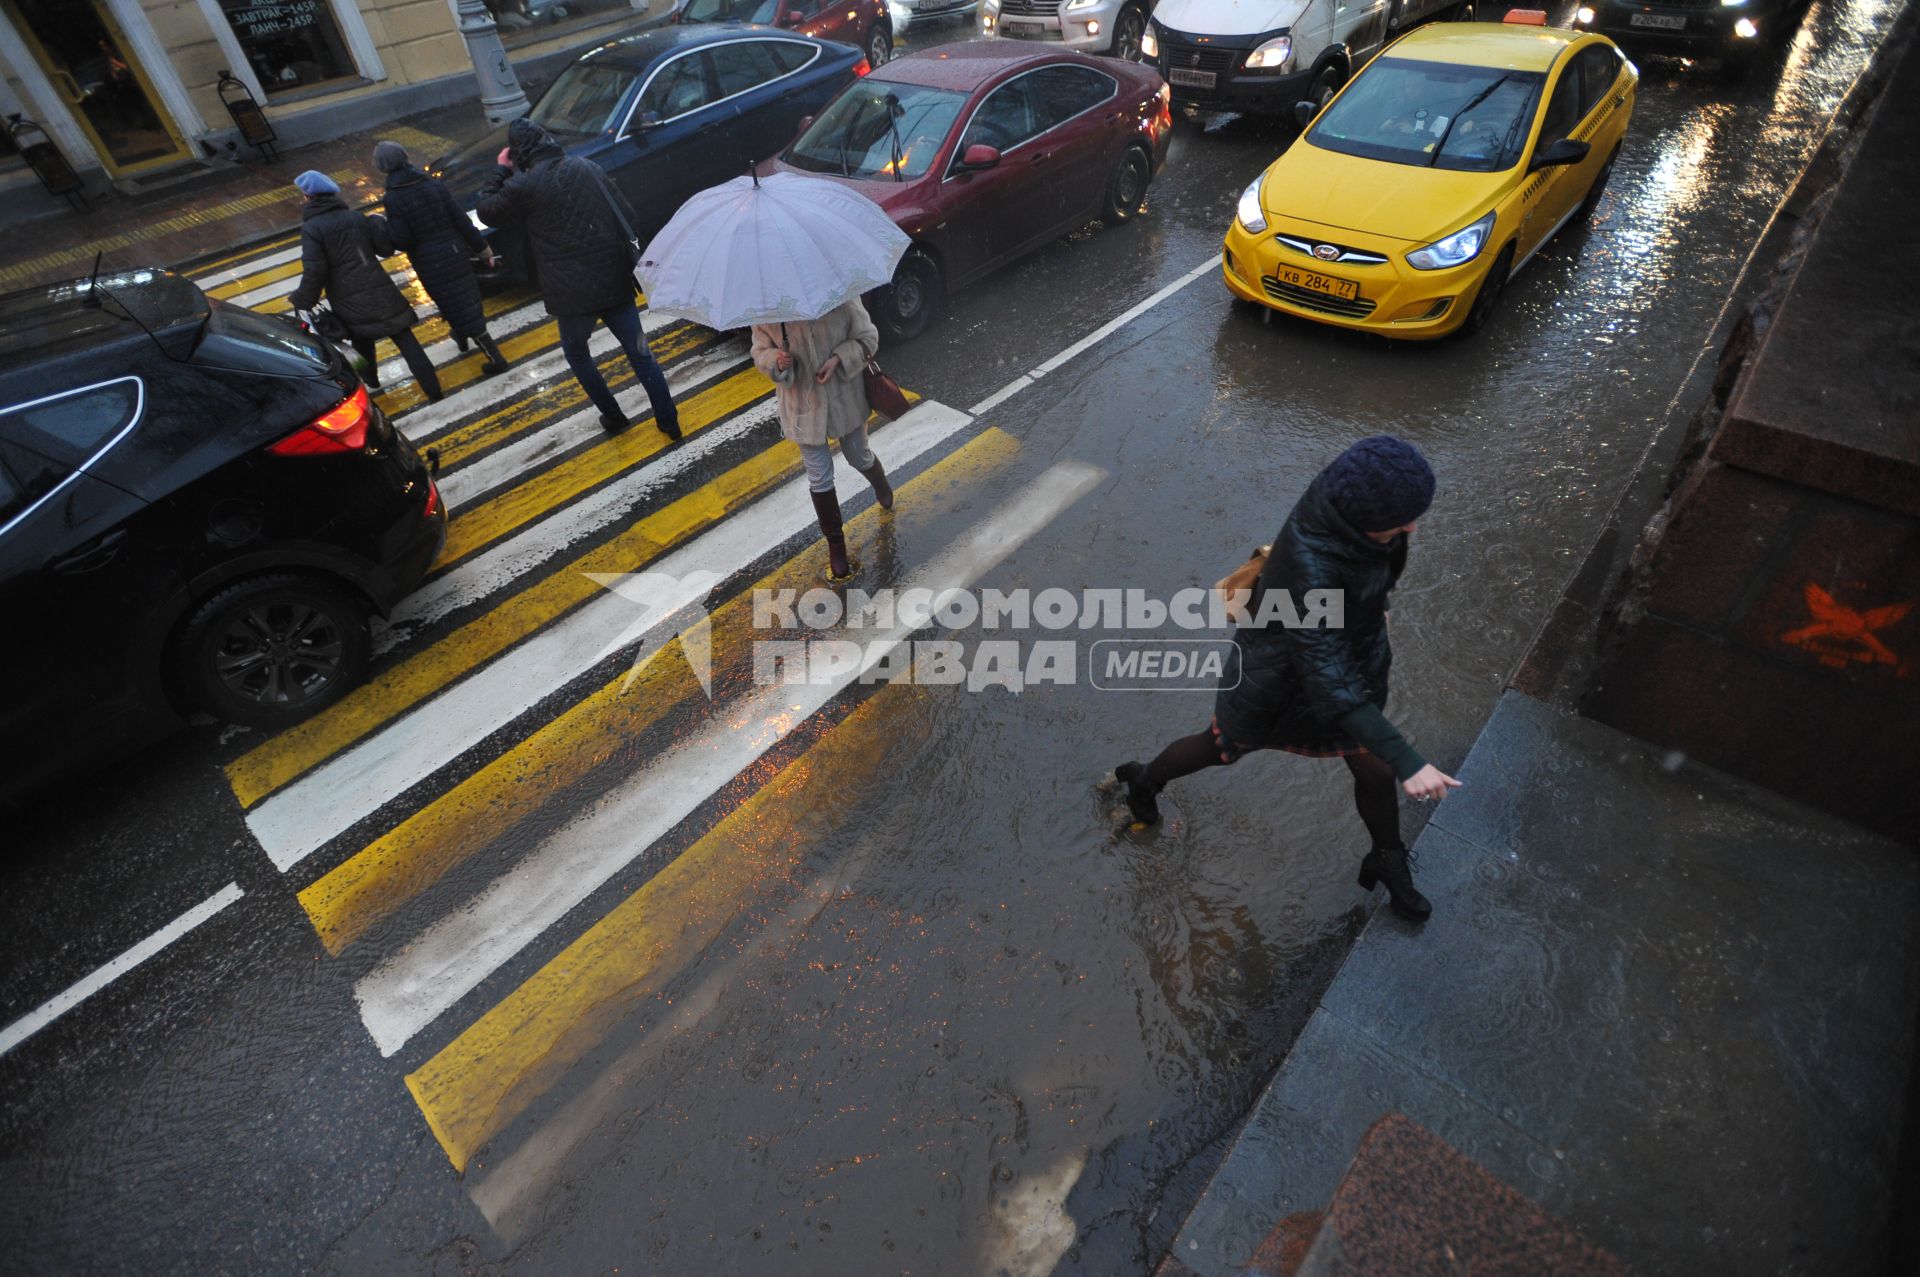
{"x": 290, "y": 44}
{"x": 524, "y": 21}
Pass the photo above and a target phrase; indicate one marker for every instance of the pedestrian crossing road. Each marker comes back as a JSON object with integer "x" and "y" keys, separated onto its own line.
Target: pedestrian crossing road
{"x": 443, "y": 823}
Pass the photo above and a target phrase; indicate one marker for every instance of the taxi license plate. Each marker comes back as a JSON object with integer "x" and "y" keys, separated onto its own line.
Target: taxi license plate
{"x": 1345, "y": 289}
{"x": 1191, "y": 79}
{"x": 1659, "y": 21}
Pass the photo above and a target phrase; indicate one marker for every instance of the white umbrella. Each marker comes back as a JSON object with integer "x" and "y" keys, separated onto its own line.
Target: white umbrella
{"x": 762, "y": 250}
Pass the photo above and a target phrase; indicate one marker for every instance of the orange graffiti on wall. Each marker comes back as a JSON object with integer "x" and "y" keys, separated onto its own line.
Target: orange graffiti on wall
{"x": 1841, "y": 635}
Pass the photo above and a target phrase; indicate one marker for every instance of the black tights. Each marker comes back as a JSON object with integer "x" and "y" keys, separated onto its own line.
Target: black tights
{"x": 410, "y": 350}
{"x": 1376, "y": 790}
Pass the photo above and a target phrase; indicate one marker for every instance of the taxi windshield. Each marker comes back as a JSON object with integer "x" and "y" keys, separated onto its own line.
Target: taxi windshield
{"x": 852, "y": 138}
{"x": 1433, "y": 115}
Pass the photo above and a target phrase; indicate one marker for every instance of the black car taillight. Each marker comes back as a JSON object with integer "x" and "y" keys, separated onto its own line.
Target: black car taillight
{"x": 342, "y": 428}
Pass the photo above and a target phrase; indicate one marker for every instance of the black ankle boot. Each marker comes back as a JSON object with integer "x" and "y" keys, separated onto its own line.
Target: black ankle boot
{"x": 496, "y": 362}
{"x": 1393, "y": 866}
{"x": 1142, "y": 798}
{"x": 882, "y": 490}
{"x": 826, "y": 507}
{"x": 614, "y": 422}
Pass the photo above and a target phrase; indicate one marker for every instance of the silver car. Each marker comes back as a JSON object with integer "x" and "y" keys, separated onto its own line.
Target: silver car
{"x": 1087, "y": 26}
{"x": 903, "y": 12}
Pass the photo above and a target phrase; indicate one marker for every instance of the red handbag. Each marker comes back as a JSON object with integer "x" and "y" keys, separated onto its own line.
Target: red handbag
{"x": 884, "y": 395}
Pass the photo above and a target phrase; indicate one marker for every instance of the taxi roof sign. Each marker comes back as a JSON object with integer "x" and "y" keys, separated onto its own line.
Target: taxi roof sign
{"x": 1527, "y": 17}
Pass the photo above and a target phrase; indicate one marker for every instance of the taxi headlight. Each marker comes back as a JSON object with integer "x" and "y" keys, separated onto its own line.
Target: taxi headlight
{"x": 1252, "y": 217}
{"x": 1584, "y": 16}
{"x": 1275, "y": 55}
{"x": 1456, "y": 249}
{"x": 1149, "y": 47}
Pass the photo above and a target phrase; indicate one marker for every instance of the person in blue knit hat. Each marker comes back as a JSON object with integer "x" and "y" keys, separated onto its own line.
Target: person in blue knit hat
{"x": 1317, "y": 690}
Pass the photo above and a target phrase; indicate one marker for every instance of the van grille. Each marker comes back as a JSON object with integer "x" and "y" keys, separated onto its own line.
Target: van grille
{"x": 1031, "y": 8}
{"x": 1195, "y": 57}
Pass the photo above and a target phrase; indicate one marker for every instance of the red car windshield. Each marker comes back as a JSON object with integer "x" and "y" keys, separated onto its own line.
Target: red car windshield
{"x": 851, "y": 137}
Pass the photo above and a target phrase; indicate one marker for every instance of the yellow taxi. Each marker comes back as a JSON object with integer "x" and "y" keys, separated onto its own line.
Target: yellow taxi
{"x": 1407, "y": 204}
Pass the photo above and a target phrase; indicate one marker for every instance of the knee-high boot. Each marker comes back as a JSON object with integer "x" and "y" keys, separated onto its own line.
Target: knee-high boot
{"x": 826, "y": 506}
{"x": 882, "y": 490}
{"x": 496, "y": 362}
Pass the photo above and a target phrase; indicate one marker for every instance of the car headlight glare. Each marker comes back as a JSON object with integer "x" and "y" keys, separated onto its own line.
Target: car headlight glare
{"x": 1149, "y": 46}
{"x": 1275, "y": 55}
{"x": 1252, "y": 217}
{"x": 1080, "y": 4}
{"x": 1456, "y": 249}
{"x": 1584, "y": 16}
{"x": 1745, "y": 29}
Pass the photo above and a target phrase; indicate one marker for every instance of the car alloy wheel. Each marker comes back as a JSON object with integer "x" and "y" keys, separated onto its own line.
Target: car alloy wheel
{"x": 270, "y": 650}
{"x": 879, "y": 45}
{"x": 911, "y": 299}
{"x": 1126, "y": 34}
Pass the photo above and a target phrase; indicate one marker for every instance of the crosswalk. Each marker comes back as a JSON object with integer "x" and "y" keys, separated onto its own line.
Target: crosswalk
{"x": 443, "y": 824}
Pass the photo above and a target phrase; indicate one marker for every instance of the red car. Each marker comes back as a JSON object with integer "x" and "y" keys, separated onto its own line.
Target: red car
{"x": 864, "y": 24}
{"x": 983, "y": 152}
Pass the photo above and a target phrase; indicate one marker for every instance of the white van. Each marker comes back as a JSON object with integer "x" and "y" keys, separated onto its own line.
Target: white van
{"x": 1263, "y": 56}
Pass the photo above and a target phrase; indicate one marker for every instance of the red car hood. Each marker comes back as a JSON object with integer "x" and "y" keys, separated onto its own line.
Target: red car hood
{"x": 903, "y": 201}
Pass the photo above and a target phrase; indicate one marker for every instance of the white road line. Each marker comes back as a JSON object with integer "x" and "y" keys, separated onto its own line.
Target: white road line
{"x": 301, "y": 818}
{"x": 58, "y": 1005}
{"x": 513, "y": 461}
{"x": 254, "y": 266}
{"x": 441, "y": 965}
{"x": 425, "y": 423}
{"x": 1093, "y": 338}
{"x": 559, "y": 531}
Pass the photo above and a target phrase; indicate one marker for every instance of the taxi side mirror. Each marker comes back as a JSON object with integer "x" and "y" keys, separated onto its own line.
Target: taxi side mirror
{"x": 1303, "y": 112}
{"x": 1565, "y": 151}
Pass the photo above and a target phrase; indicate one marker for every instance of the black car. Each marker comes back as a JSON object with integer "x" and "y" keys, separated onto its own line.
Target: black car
{"x": 668, "y": 113}
{"x": 199, "y": 509}
{"x": 1737, "y": 32}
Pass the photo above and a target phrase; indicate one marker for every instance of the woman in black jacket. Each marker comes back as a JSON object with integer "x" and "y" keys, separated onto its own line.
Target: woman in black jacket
{"x": 340, "y": 252}
{"x": 1318, "y": 690}
{"x": 439, "y": 240}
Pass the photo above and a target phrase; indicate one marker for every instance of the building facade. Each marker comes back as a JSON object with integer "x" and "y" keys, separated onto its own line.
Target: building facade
{"x": 131, "y": 90}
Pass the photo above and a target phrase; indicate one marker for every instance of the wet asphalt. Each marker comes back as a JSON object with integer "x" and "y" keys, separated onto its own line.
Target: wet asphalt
{"x": 979, "y": 1028}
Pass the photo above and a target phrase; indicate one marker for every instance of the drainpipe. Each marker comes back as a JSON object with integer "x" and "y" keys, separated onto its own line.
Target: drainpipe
{"x": 501, "y": 96}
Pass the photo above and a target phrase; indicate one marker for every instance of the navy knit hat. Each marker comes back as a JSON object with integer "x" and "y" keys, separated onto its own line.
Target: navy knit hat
{"x": 1379, "y": 483}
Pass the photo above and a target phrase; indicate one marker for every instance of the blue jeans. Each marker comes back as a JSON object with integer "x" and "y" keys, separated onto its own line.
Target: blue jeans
{"x": 818, "y": 458}
{"x": 624, "y": 323}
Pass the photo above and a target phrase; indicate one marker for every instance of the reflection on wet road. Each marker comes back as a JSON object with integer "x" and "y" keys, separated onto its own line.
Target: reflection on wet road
{"x": 546, "y": 968}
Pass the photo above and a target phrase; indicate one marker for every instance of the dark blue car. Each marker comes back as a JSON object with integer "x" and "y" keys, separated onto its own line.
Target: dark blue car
{"x": 671, "y": 112}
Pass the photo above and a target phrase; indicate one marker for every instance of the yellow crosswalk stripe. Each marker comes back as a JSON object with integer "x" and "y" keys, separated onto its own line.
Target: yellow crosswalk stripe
{"x": 518, "y": 1049}
{"x": 274, "y": 762}
{"x": 394, "y": 868}
{"x": 264, "y": 249}
{"x": 521, "y": 415}
{"x": 554, "y": 487}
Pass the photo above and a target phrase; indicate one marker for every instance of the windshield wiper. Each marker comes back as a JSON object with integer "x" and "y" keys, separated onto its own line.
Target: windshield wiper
{"x": 894, "y": 112}
{"x": 1440, "y": 147}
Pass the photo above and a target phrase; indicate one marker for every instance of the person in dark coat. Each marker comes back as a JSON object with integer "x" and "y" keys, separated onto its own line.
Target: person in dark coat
{"x": 340, "y": 252}
{"x": 572, "y": 214}
{"x": 425, "y": 223}
{"x": 1318, "y": 690}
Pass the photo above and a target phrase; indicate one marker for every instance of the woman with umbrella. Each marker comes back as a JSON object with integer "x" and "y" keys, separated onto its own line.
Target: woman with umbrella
{"x": 744, "y": 255}
{"x": 424, "y": 222}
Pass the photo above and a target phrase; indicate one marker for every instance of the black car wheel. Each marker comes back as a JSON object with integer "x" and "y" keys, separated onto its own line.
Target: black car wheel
{"x": 271, "y": 650}
{"x": 907, "y": 305}
{"x": 1127, "y": 30}
{"x": 1594, "y": 192}
{"x": 1325, "y": 85}
{"x": 1127, "y": 185}
{"x": 879, "y": 44}
{"x": 1488, "y": 298}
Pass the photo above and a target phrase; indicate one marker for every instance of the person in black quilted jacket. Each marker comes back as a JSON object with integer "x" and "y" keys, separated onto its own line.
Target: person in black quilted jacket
{"x": 440, "y": 241}
{"x": 340, "y": 252}
{"x": 1317, "y": 690}
{"x": 572, "y": 214}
